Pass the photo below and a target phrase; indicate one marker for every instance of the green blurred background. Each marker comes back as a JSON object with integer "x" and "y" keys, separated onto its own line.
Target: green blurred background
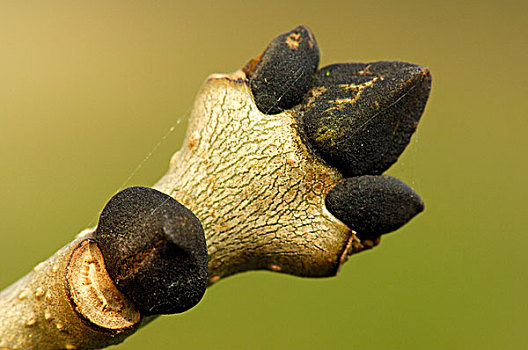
{"x": 87, "y": 89}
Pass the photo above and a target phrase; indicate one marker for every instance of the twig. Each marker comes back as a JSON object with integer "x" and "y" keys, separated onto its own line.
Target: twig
{"x": 253, "y": 174}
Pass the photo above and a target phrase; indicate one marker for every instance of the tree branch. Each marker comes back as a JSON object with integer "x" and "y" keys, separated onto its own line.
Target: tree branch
{"x": 266, "y": 180}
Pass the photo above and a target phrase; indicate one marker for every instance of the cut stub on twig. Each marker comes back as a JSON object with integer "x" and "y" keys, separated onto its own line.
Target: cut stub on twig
{"x": 360, "y": 116}
{"x": 93, "y": 292}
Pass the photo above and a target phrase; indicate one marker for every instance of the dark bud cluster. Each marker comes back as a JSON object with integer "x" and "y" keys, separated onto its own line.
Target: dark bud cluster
{"x": 358, "y": 117}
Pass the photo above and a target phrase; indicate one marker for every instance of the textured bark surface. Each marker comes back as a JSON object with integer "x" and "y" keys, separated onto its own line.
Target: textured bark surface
{"x": 255, "y": 186}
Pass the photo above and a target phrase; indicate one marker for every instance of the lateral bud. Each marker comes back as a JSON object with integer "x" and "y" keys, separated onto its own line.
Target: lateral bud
{"x": 284, "y": 72}
{"x": 154, "y": 249}
{"x": 373, "y": 205}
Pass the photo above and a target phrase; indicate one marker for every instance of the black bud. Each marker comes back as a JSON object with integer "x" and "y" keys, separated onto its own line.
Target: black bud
{"x": 285, "y": 71}
{"x": 360, "y": 117}
{"x": 154, "y": 250}
{"x": 373, "y": 205}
